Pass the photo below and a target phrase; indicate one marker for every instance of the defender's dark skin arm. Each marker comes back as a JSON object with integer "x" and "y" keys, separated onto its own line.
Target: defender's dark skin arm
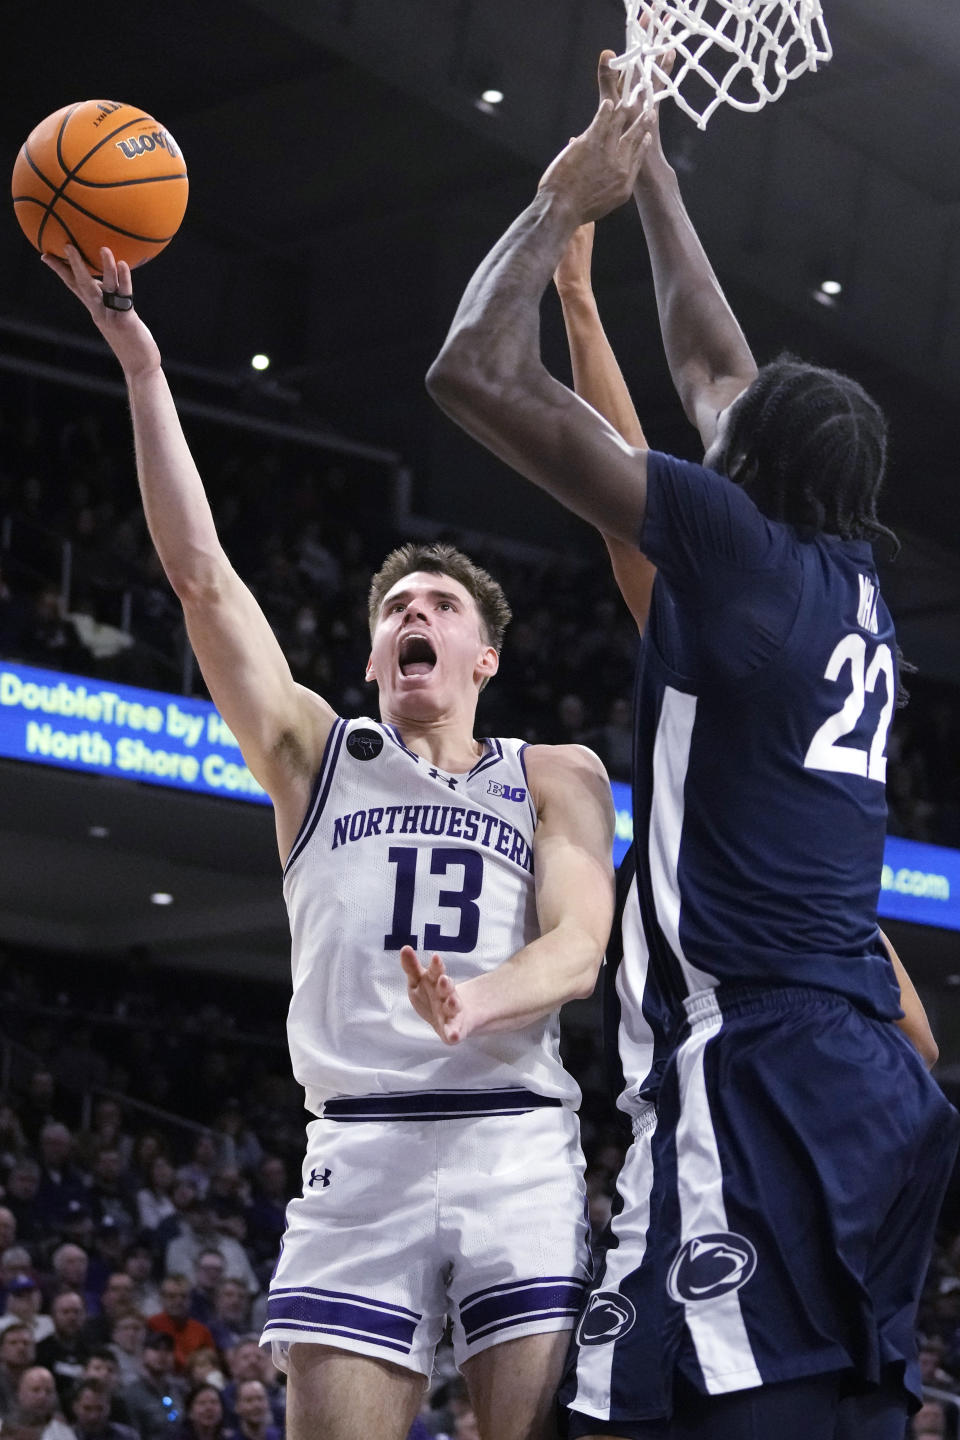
{"x": 709, "y": 358}
{"x": 489, "y": 376}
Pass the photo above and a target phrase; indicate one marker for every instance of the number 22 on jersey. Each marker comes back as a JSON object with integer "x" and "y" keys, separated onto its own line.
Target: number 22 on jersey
{"x": 824, "y": 752}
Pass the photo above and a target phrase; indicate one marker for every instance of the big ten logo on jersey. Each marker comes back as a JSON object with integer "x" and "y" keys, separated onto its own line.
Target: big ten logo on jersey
{"x": 506, "y": 792}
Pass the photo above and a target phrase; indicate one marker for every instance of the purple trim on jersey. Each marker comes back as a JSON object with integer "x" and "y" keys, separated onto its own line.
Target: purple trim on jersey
{"x": 437, "y": 1104}
{"x": 394, "y": 734}
{"x": 319, "y": 796}
{"x": 521, "y": 753}
{"x": 334, "y": 1313}
{"x": 492, "y": 757}
{"x": 519, "y": 1303}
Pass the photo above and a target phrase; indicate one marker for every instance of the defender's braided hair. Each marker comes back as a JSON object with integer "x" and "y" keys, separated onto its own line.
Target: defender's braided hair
{"x": 810, "y": 446}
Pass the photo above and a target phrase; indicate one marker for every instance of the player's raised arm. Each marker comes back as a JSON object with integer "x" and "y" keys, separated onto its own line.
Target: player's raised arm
{"x": 598, "y": 379}
{"x": 572, "y": 847}
{"x": 489, "y": 375}
{"x": 709, "y": 358}
{"x": 281, "y": 727}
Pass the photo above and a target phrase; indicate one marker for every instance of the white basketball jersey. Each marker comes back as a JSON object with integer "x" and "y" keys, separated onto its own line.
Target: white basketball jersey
{"x": 395, "y": 852}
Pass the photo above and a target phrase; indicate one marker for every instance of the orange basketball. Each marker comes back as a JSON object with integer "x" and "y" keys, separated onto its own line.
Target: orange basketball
{"x": 100, "y": 173}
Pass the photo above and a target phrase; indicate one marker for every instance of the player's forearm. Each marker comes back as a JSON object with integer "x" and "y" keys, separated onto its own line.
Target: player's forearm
{"x": 559, "y": 966}
{"x": 176, "y": 507}
{"x": 495, "y": 336}
{"x": 914, "y": 1024}
{"x": 597, "y": 378}
{"x": 703, "y": 342}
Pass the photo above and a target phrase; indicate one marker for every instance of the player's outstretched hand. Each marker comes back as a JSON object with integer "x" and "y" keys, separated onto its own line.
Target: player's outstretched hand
{"x": 434, "y": 996}
{"x": 597, "y": 170}
{"x": 123, "y": 330}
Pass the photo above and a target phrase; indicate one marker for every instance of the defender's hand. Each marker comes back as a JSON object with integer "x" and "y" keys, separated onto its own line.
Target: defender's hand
{"x": 123, "y": 330}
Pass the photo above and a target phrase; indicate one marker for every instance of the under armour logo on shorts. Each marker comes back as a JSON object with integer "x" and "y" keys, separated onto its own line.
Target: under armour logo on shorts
{"x": 319, "y": 1177}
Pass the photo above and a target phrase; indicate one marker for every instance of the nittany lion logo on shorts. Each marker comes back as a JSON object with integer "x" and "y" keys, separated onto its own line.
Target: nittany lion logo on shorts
{"x": 608, "y": 1316}
{"x": 711, "y": 1265}
{"x": 364, "y": 744}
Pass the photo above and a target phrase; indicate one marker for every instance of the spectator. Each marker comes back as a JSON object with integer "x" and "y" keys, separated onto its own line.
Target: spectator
{"x": 238, "y": 1145}
{"x": 138, "y": 1264}
{"x": 60, "y": 1180}
{"x": 173, "y": 1226}
{"x": 267, "y": 1217}
{"x": 208, "y": 1273}
{"x": 201, "y": 1233}
{"x": 119, "y": 1298}
{"x": 36, "y": 1414}
{"x": 154, "y": 1202}
{"x": 246, "y": 1361}
{"x": 106, "y": 1132}
{"x": 23, "y": 1308}
{"x": 13, "y": 1142}
{"x": 203, "y": 1415}
{"x": 65, "y": 1352}
{"x": 202, "y": 1163}
{"x": 175, "y": 1320}
{"x": 231, "y": 1317}
{"x": 18, "y": 1354}
{"x": 71, "y": 1268}
{"x": 203, "y": 1368}
{"x": 103, "y": 1367}
{"x": 14, "y": 1262}
{"x": 155, "y": 1398}
{"x": 8, "y": 1228}
{"x": 252, "y": 1409}
{"x": 23, "y": 1184}
{"x": 91, "y": 1414}
{"x": 109, "y": 1192}
{"x": 48, "y": 638}
{"x": 126, "y": 1346}
{"x": 37, "y": 1107}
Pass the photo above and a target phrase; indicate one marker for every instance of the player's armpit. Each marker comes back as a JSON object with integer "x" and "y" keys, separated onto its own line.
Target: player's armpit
{"x": 914, "y": 1024}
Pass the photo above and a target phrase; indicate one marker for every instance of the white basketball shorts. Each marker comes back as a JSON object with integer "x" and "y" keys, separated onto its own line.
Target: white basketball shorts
{"x": 403, "y": 1223}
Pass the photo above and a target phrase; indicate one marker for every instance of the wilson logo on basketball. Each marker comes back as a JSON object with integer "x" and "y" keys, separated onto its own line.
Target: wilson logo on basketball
{"x": 144, "y": 144}
{"x": 711, "y": 1265}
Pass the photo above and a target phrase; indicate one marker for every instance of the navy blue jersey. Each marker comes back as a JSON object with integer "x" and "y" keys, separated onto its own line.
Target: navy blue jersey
{"x": 767, "y": 685}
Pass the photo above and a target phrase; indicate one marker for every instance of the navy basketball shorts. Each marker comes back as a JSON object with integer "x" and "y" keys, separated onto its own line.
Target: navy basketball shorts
{"x": 404, "y": 1223}
{"x": 774, "y": 1219}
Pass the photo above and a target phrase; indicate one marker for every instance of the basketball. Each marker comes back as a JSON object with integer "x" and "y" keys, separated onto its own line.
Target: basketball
{"x": 100, "y": 173}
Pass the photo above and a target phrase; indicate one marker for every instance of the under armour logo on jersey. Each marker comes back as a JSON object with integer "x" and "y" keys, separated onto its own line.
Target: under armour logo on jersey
{"x": 506, "y": 792}
{"x": 319, "y": 1177}
{"x": 448, "y": 780}
{"x": 608, "y": 1316}
{"x": 711, "y": 1265}
{"x": 364, "y": 744}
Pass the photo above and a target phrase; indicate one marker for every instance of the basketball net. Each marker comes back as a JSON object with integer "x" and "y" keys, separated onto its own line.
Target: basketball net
{"x": 735, "y": 52}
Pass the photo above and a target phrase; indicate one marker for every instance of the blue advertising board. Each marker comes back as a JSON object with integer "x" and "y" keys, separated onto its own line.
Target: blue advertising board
{"x": 104, "y": 729}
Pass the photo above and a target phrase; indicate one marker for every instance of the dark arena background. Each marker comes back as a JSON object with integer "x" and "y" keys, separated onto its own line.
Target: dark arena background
{"x": 346, "y": 177}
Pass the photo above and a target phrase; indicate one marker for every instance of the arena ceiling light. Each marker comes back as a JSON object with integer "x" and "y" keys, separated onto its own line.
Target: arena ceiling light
{"x": 260, "y": 361}
{"x": 161, "y": 897}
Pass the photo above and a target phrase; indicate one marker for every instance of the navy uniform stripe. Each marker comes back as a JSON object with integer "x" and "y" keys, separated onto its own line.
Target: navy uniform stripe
{"x": 437, "y": 1104}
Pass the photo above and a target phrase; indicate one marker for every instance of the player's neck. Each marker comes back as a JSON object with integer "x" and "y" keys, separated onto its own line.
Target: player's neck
{"x": 446, "y": 741}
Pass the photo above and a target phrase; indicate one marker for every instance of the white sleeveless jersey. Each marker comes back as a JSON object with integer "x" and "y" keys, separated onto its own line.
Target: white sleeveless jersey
{"x": 394, "y": 852}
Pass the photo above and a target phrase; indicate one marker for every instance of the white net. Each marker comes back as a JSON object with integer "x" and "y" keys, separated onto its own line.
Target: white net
{"x": 734, "y": 52}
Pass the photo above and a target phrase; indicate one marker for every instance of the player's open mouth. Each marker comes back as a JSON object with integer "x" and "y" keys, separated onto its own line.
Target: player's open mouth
{"x": 417, "y": 655}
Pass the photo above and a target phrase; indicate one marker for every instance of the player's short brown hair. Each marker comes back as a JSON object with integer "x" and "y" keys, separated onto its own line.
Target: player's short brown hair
{"x": 441, "y": 559}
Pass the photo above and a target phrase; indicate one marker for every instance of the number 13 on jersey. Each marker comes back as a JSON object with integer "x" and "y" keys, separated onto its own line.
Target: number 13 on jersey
{"x": 442, "y": 859}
